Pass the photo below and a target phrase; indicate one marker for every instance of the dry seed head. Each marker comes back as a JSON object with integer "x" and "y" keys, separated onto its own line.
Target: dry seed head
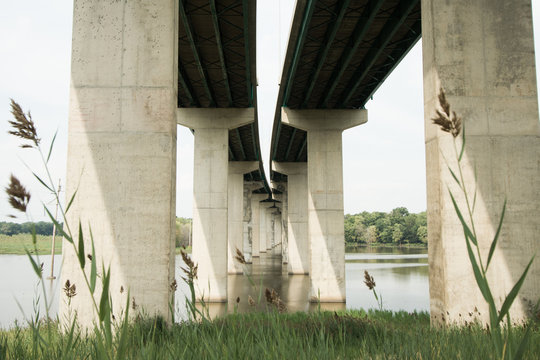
{"x": 251, "y": 301}
{"x": 191, "y": 269}
{"x": 70, "y": 289}
{"x": 18, "y": 196}
{"x": 368, "y": 280}
{"x": 23, "y": 125}
{"x": 240, "y": 257}
{"x": 174, "y": 285}
{"x": 447, "y": 120}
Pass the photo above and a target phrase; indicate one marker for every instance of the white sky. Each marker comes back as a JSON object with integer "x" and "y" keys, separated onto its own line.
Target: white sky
{"x": 384, "y": 164}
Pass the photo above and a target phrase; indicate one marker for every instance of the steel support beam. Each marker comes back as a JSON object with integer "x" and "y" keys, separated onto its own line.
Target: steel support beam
{"x": 202, "y": 71}
{"x": 362, "y": 26}
{"x": 397, "y": 18}
{"x": 215, "y": 21}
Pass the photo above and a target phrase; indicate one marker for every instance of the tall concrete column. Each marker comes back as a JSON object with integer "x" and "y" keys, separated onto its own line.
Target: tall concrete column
{"x": 482, "y": 54}
{"x": 277, "y": 233}
{"x": 210, "y": 194}
{"x": 256, "y": 226}
{"x": 122, "y": 134}
{"x": 269, "y": 229}
{"x": 237, "y": 169}
{"x": 297, "y": 215}
{"x": 325, "y": 195}
{"x": 282, "y": 197}
{"x": 263, "y": 225}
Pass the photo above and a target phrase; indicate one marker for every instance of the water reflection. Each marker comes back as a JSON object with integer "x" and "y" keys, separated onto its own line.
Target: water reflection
{"x": 401, "y": 276}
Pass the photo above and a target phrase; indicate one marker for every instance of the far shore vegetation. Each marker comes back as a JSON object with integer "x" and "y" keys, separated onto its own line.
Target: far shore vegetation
{"x": 396, "y": 228}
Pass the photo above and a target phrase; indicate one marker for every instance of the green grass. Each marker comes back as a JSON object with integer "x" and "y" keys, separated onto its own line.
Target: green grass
{"x": 326, "y": 335}
{"x": 16, "y": 244}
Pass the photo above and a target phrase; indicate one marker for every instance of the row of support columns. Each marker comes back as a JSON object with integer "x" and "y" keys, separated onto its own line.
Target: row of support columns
{"x": 122, "y": 161}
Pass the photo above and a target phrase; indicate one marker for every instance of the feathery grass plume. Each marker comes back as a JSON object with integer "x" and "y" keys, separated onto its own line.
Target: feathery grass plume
{"x": 447, "y": 120}
{"x": 174, "y": 285}
{"x": 18, "y": 196}
{"x": 251, "y": 301}
{"x": 370, "y": 283}
{"x": 70, "y": 289}
{"x": 240, "y": 257}
{"x": 191, "y": 269}
{"x": 23, "y": 125}
{"x": 368, "y": 280}
{"x": 272, "y": 298}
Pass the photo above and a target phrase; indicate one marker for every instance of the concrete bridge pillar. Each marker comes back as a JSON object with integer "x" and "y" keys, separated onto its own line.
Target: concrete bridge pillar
{"x": 122, "y": 151}
{"x": 237, "y": 169}
{"x": 482, "y": 54}
{"x": 248, "y": 220}
{"x": 297, "y": 215}
{"x": 256, "y": 227}
{"x": 210, "y": 194}
{"x": 282, "y": 197}
{"x": 325, "y": 195}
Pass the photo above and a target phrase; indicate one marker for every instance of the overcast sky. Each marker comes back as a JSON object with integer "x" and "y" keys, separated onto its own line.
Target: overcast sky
{"x": 384, "y": 163}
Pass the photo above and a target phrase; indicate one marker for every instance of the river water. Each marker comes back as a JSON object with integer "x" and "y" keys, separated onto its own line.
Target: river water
{"x": 401, "y": 277}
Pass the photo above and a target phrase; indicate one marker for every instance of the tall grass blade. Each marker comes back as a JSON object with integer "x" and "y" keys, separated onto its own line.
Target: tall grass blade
{"x": 104, "y": 301}
{"x": 462, "y": 144}
{"x": 59, "y": 228}
{"x": 35, "y": 266}
{"x": 496, "y": 238}
{"x": 51, "y": 147}
{"x": 71, "y": 201}
{"x": 80, "y": 250}
{"x": 454, "y": 176}
{"x": 93, "y": 266}
{"x": 42, "y": 182}
{"x": 513, "y": 293}
{"x": 480, "y": 280}
{"x": 466, "y": 229}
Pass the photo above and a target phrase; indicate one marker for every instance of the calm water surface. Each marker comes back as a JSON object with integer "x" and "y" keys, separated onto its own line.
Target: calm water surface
{"x": 401, "y": 276}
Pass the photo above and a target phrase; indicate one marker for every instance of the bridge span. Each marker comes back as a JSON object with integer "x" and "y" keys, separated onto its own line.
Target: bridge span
{"x": 141, "y": 68}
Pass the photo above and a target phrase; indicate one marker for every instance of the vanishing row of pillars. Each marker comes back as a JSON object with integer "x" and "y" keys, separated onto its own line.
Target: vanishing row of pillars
{"x": 122, "y": 160}
{"x": 306, "y": 228}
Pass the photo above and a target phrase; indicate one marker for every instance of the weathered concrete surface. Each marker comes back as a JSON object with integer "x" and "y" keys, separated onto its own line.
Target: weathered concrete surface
{"x": 122, "y": 132}
{"x": 237, "y": 169}
{"x": 482, "y": 53}
{"x": 256, "y": 226}
{"x": 325, "y": 195}
{"x": 210, "y": 194}
{"x": 297, "y": 216}
{"x": 281, "y": 196}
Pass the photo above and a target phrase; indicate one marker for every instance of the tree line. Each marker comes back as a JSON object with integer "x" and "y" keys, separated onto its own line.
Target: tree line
{"x": 42, "y": 228}
{"x": 396, "y": 227}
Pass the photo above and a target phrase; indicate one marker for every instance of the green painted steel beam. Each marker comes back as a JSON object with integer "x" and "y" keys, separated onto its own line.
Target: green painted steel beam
{"x": 327, "y": 45}
{"x": 255, "y": 149}
{"x": 359, "y": 33}
{"x": 290, "y": 144}
{"x": 415, "y": 32}
{"x": 202, "y": 71}
{"x": 397, "y": 18}
{"x": 231, "y": 154}
{"x": 304, "y": 143}
{"x": 249, "y": 85}
{"x": 215, "y": 22}
{"x": 241, "y": 144}
{"x": 186, "y": 85}
{"x": 306, "y": 20}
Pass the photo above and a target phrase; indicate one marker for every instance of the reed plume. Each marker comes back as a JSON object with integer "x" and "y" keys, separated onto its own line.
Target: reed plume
{"x": 23, "y": 125}
{"x": 18, "y": 196}
{"x": 240, "y": 257}
{"x": 447, "y": 120}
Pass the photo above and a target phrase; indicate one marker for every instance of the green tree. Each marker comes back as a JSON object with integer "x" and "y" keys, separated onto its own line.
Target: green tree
{"x": 397, "y": 234}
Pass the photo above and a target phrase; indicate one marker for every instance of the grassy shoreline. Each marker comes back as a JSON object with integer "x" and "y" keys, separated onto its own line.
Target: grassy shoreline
{"x": 321, "y": 335}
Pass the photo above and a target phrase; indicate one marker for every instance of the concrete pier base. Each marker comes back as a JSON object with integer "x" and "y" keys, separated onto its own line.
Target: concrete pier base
{"x": 297, "y": 216}
{"x": 482, "y": 54}
{"x": 122, "y": 153}
{"x": 210, "y": 194}
{"x": 325, "y": 195}
{"x": 256, "y": 226}
{"x": 237, "y": 169}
